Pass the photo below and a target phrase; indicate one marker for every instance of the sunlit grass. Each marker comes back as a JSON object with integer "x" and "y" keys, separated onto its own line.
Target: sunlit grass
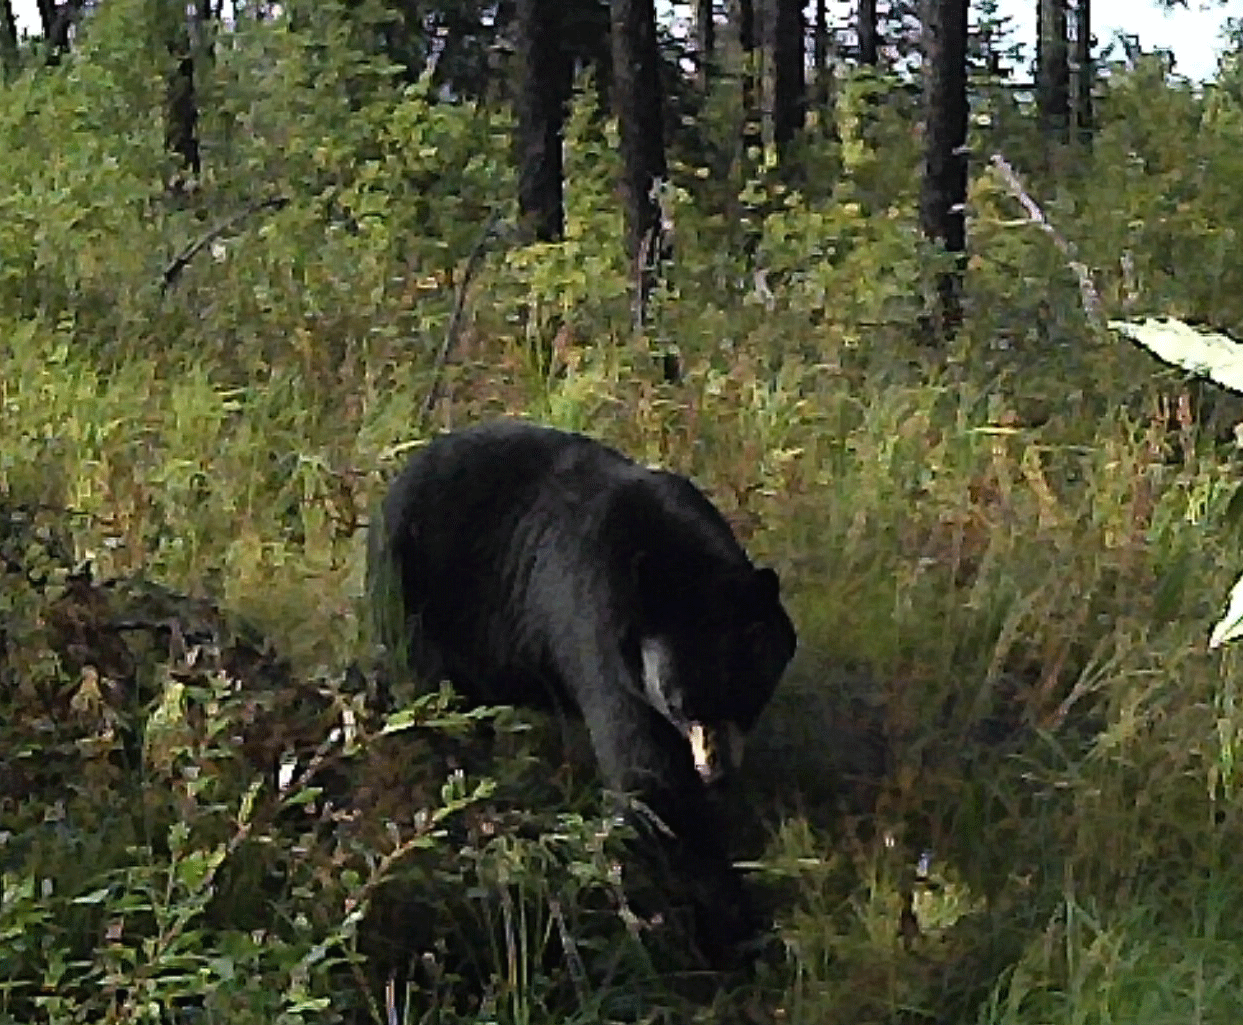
{"x": 1003, "y": 565}
{"x": 1030, "y": 618}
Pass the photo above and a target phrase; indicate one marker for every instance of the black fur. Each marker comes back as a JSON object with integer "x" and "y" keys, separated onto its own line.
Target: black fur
{"x": 536, "y": 567}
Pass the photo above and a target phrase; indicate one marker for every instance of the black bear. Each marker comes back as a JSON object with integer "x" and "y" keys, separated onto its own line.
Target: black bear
{"x": 536, "y": 567}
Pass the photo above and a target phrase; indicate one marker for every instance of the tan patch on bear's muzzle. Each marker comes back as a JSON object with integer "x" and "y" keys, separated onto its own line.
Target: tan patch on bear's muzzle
{"x": 716, "y": 748}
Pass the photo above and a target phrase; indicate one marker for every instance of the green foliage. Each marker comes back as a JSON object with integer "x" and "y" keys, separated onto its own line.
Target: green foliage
{"x": 154, "y": 866}
{"x": 1003, "y": 559}
{"x": 1162, "y": 223}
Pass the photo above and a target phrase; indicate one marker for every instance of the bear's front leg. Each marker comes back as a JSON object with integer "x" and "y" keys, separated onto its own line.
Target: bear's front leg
{"x": 641, "y": 755}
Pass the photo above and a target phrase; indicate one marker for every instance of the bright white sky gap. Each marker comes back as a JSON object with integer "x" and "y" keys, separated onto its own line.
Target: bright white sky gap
{"x": 1192, "y": 34}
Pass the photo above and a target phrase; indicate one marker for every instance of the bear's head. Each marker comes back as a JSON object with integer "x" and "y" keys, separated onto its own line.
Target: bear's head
{"x": 711, "y": 655}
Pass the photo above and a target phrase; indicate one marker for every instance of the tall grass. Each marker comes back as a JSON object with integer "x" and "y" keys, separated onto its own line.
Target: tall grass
{"x": 1002, "y": 561}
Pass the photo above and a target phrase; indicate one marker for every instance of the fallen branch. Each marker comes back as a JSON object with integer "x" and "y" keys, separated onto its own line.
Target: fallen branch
{"x": 1087, "y": 290}
{"x": 455, "y": 320}
{"x": 173, "y": 271}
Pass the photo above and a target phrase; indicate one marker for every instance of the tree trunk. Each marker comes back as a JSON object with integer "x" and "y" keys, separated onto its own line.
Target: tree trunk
{"x": 8, "y": 39}
{"x": 705, "y": 40}
{"x": 869, "y": 40}
{"x": 47, "y": 17}
{"x": 181, "y": 111}
{"x": 869, "y": 57}
{"x": 752, "y": 136}
{"x": 57, "y": 21}
{"x": 1085, "y": 73}
{"x": 786, "y": 44}
{"x": 546, "y": 75}
{"x": 637, "y": 100}
{"x": 824, "y": 48}
{"x": 820, "y": 44}
{"x": 944, "y": 191}
{"x": 1052, "y": 70}
{"x": 207, "y": 21}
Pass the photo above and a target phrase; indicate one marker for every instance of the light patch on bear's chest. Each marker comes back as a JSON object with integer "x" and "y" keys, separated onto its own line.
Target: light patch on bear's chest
{"x": 658, "y": 679}
{"x": 715, "y": 747}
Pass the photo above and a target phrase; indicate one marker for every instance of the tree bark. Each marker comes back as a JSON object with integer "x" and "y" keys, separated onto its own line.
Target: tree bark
{"x": 869, "y": 40}
{"x": 546, "y": 74}
{"x": 207, "y": 21}
{"x": 744, "y": 14}
{"x": 786, "y": 35}
{"x": 181, "y": 111}
{"x": 1052, "y": 70}
{"x": 8, "y": 38}
{"x": 585, "y": 38}
{"x": 1085, "y": 72}
{"x": 57, "y": 21}
{"x": 824, "y": 49}
{"x": 47, "y": 17}
{"x": 944, "y": 190}
{"x": 705, "y": 40}
{"x": 820, "y": 43}
{"x": 640, "y": 114}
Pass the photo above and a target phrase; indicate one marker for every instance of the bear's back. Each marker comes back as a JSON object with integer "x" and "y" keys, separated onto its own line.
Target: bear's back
{"x": 483, "y": 490}
{"x": 489, "y": 474}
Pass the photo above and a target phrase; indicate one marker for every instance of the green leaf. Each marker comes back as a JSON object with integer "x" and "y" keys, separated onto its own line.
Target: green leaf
{"x": 94, "y": 897}
{"x": 303, "y": 796}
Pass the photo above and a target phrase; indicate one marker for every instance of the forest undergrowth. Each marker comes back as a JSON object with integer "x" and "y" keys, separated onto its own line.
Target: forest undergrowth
{"x": 1003, "y": 557}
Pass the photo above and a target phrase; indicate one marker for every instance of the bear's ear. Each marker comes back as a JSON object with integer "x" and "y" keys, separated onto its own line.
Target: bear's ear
{"x": 766, "y": 585}
{"x": 770, "y": 649}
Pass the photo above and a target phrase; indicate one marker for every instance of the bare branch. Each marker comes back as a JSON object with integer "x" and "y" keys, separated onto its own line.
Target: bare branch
{"x": 642, "y": 279}
{"x": 455, "y": 320}
{"x": 173, "y": 271}
{"x": 1089, "y": 296}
